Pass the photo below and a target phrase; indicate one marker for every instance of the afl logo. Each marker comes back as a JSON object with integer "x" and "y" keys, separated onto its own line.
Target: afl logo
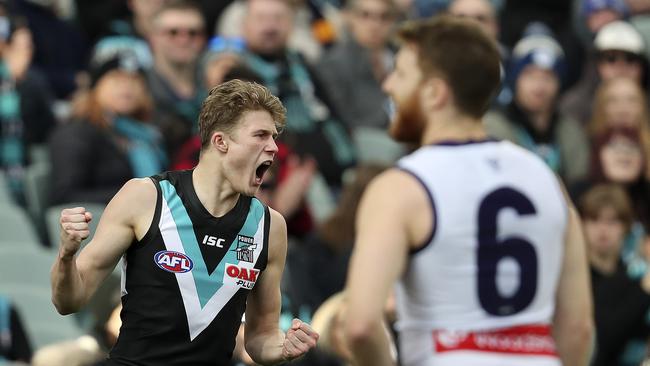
{"x": 174, "y": 262}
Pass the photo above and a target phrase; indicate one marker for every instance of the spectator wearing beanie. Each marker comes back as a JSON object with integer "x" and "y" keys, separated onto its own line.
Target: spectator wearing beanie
{"x": 531, "y": 119}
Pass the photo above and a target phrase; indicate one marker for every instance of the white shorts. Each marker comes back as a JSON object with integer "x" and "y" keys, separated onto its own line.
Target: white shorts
{"x": 517, "y": 346}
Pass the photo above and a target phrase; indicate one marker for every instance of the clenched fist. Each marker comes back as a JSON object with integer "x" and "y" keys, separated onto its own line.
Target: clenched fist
{"x": 74, "y": 229}
{"x": 299, "y": 339}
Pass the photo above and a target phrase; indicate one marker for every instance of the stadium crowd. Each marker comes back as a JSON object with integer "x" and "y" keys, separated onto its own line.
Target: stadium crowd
{"x": 94, "y": 93}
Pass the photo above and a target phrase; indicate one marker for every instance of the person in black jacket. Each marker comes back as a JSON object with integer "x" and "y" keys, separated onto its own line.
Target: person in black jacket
{"x": 107, "y": 143}
{"x": 621, "y": 304}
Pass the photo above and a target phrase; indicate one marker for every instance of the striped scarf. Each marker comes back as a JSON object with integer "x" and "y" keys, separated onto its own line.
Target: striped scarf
{"x": 12, "y": 148}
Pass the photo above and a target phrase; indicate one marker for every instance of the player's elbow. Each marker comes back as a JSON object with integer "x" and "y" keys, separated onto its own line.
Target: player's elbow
{"x": 63, "y": 308}
{"x": 65, "y": 305}
{"x": 358, "y": 332}
{"x": 576, "y": 335}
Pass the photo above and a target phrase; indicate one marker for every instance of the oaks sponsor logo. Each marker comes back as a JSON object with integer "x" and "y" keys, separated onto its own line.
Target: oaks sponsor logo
{"x": 244, "y": 277}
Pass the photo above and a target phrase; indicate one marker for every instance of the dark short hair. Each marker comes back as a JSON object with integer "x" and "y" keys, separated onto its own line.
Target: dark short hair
{"x": 461, "y": 53}
{"x": 607, "y": 196}
{"x": 226, "y": 104}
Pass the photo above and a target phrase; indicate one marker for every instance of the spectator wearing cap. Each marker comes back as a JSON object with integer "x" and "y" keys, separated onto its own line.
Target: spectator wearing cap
{"x": 26, "y": 117}
{"x": 531, "y": 119}
{"x": 109, "y": 140}
{"x": 177, "y": 41}
{"x": 619, "y": 51}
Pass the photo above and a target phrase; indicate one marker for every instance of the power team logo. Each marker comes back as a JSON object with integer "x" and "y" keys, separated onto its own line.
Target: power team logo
{"x": 174, "y": 262}
{"x": 245, "y": 247}
{"x": 246, "y": 277}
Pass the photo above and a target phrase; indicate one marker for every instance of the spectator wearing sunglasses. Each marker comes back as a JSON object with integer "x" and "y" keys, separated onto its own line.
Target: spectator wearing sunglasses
{"x": 619, "y": 51}
{"x": 177, "y": 40}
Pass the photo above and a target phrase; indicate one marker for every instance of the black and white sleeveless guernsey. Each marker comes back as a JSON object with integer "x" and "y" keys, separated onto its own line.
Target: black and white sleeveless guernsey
{"x": 185, "y": 284}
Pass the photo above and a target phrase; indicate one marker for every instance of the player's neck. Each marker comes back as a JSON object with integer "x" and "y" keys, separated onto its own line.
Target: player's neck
{"x": 213, "y": 189}
{"x": 453, "y": 128}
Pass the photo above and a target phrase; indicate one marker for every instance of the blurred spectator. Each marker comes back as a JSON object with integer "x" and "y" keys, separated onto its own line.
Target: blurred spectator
{"x": 60, "y": 48}
{"x": 109, "y": 142}
{"x": 484, "y": 13}
{"x": 353, "y": 70}
{"x": 312, "y": 126}
{"x": 532, "y": 119}
{"x": 619, "y": 52}
{"x": 14, "y": 344}
{"x": 83, "y": 351}
{"x": 132, "y": 33}
{"x": 516, "y": 15}
{"x": 221, "y": 56}
{"x": 328, "y": 322}
{"x": 26, "y": 117}
{"x": 175, "y": 81}
{"x": 620, "y": 157}
{"x": 303, "y": 36}
{"x": 318, "y": 264}
{"x": 138, "y": 23}
{"x": 621, "y": 103}
{"x": 599, "y": 13}
{"x": 621, "y": 304}
{"x": 638, "y": 6}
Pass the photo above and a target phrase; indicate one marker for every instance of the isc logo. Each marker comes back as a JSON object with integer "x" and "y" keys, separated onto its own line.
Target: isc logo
{"x": 213, "y": 241}
{"x": 174, "y": 262}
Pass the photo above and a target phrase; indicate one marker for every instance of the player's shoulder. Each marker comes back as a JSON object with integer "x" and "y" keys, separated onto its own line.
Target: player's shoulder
{"x": 137, "y": 194}
{"x": 139, "y": 186}
{"x": 397, "y": 185}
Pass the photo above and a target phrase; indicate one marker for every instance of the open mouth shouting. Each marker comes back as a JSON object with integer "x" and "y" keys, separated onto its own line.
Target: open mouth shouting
{"x": 261, "y": 170}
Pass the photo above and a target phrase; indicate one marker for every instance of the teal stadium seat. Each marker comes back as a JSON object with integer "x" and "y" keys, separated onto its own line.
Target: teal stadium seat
{"x": 24, "y": 278}
{"x": 15, "y": 226}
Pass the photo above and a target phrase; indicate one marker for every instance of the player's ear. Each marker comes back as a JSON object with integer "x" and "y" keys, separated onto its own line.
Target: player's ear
{"x": 435, "y": 93}
{"x": 219, "y": 141}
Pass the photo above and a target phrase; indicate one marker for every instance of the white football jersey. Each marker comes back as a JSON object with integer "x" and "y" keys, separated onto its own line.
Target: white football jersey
{"x": 494, "y": 256}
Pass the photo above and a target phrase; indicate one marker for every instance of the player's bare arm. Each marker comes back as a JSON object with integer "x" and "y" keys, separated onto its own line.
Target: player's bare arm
{"x": 394, "y": 217}
{"x": 573, "y": 318}
{"x": 76, "y": 277}
{"x": 265, "y": 342}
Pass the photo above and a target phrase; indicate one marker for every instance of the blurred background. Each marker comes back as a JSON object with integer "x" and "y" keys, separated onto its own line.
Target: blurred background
{"x": 93, "y": 93}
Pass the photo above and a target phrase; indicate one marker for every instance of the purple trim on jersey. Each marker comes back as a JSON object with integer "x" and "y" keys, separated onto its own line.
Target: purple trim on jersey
{"x": 433, "y": 207}
{"x": 464, "y": 142}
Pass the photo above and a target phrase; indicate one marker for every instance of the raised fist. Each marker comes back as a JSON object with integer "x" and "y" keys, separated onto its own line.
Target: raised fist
{"x": 74, "y": 229}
